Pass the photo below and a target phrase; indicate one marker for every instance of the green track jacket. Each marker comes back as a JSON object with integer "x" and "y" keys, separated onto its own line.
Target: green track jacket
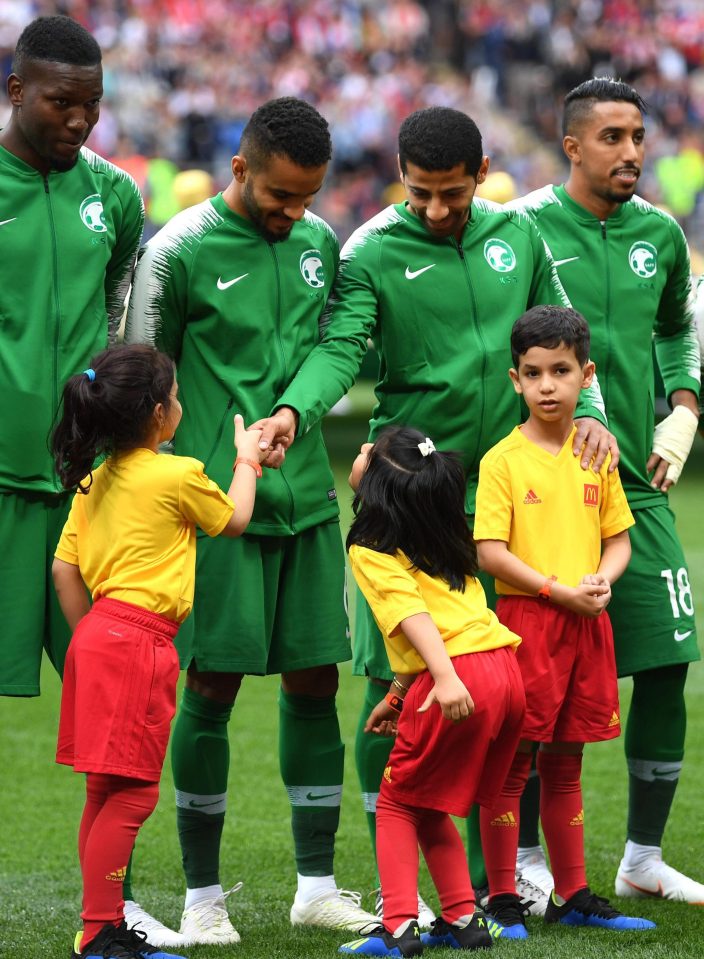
{"x": 440, "y": 314}
{"x": 239, "y": 315}
{"x": 69, "y": 243}
{"x": 630, "y": 278}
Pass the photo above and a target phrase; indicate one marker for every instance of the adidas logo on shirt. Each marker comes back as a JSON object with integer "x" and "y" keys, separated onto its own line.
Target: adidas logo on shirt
{"x": 531, "y": 498}
{"x": 614, "y": 721}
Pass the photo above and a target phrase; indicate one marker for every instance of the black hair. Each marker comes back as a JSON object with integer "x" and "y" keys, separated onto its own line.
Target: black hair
{"x": 438, "y": 138}
{"x": 550, "y": 326}
{"x": 415, "y": 503}
{"x": 111, "y": 412}
{"x": 58, "y": 39}
{"x": 580, "y": 101}
{"x": 286, "y": 127}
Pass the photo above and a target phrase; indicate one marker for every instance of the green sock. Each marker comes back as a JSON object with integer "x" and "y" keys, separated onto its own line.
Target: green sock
{"x": 127, "y": 881}
{"x": 371, "y": 755}
{"x": 311, "y": 757}
{"x": 654, "y": 744}
{"x": 475, "y": 856}
{"x": 200, "y": 759}
{"x": 530, "y": 810}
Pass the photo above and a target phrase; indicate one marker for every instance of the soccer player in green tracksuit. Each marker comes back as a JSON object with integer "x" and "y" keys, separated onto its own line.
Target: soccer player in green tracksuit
{"x": 70, "y": 226}
{"x": 625, "y": 266}
{"x": 234, "y": 288}
{"x": 437, "y": 282}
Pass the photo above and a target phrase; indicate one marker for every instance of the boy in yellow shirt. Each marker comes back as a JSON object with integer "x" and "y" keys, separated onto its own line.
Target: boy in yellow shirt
{"x": 555, "y": 538}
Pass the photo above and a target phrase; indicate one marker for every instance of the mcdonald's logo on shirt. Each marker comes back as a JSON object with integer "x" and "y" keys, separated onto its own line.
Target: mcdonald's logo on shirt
{"x": 591, "y": 494}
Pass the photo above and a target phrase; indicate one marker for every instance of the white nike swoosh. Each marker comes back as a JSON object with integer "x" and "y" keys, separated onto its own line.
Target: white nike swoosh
{"x": 679, "y": 637}
{"x": 224, "y": 286}
{"x": 412, "y": 274}
{"x": 11, "y": 220}
{"x": 568, "y": 260}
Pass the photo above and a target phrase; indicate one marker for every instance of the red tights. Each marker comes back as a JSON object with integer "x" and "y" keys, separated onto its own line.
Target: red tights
{"x": 115, "y": 809}
{"x": 400, "y": 830}
{"x": 561, "y": 815}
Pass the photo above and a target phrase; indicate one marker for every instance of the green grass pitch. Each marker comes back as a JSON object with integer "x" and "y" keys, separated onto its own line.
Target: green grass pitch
{"x": 40, "y": 804}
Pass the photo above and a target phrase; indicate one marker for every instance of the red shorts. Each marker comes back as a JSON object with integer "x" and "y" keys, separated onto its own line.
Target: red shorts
{"x": 438, "y": 764}
{"x": 119, "y": 693}
{"x": 569, "y": 671}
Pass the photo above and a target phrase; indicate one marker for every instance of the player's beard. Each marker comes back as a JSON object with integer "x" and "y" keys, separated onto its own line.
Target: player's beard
{"x": 257, "y": 217}
{"x": 63, "y": 166}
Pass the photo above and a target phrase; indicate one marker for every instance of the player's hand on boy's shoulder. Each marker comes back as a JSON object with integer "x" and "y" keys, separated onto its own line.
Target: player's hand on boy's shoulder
{"x": 453, "y": 697}
{"x": 594, "y": 441}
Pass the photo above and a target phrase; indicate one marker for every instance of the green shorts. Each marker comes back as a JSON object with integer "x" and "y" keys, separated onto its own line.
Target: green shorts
{"x": 30, "y": 527}
{"x": 651, "y": 609}
{"x": 268, "y": 604}
{"x": 369, "y": 652}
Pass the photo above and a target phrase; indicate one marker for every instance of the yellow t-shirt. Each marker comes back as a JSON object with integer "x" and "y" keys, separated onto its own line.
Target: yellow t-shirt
{"x": 133, "y": 535}
{"x": 395, "y": 590}
{"x": 551, "y": 512}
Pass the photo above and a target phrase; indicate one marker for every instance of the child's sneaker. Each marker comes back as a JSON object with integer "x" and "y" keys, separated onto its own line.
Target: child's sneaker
{"x": 137, "y": 939}
{"x": 478, "y": 933}
{"x": 118, "y": 942}
{"x": 510, "y": 913}
{"x": 585, "y": 908}
{"x": 379, "y": 942}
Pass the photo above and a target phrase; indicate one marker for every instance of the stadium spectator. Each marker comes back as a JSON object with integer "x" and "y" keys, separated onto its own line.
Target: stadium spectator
{"x": 182, "y": 76}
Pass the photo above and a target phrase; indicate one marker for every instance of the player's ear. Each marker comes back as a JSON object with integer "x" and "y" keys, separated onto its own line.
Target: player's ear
{"x": 398, "y": 164}
{"x": 483, "y": 169}
{"x": 14, "y": 90}
{"x": 570, "y": 145}
{"x": 514, "y": 379}
{"x": 239, "y": 167}
{"x": 588, "y": 371}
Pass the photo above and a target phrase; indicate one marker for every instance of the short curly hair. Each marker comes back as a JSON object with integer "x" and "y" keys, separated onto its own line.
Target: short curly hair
{"x": 57, "y": 39}
{"x": 438, "y": 138}
{"x": 286, "y": 127}
{"x": 580, "y": 101}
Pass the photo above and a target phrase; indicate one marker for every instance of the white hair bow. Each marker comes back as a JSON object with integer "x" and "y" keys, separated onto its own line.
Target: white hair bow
{"x": 426, "y": 448}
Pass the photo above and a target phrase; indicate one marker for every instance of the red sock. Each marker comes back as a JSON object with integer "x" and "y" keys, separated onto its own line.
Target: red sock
{"x": 115, "y": 809}
{"x": 562, "y": 817}
{"x": 397, "y": 860}
{"x": 446, "y": 859}
{"x": 499, "y": 828}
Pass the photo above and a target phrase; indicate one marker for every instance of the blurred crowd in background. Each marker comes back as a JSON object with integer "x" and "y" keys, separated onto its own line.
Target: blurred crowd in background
{"x": 182, "y": 77}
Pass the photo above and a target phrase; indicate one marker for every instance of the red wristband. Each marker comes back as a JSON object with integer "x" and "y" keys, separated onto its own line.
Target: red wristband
{"x": 396, "y": 702}
{"x": 253, "y": 463}
{"x": 546, "y": 588}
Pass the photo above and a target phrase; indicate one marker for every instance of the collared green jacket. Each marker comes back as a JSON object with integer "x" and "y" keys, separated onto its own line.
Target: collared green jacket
{"x": 440, "y": 314}
{"x": 68, "y": 244}
{"x": 239, "y": 315}
{"x": 630, "y": 277}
